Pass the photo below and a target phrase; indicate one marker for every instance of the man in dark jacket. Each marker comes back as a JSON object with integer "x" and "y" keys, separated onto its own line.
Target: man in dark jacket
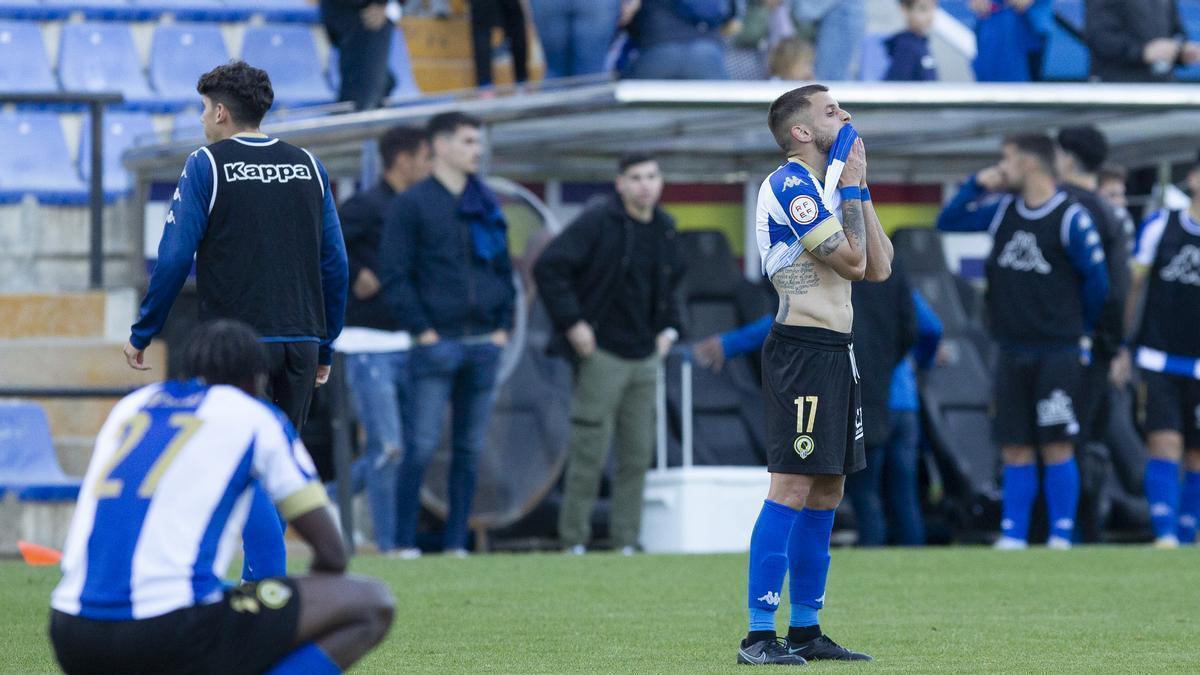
{"x": 361, "y": 32}
{"x": 608, "y": 282}
{"x": 447, "y": 278}
{"x": 375, "y": 345}
{"x": 1137, "y": 40}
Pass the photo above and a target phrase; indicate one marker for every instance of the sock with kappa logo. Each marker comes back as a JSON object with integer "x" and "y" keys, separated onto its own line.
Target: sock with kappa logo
{"x": 1061, "y": 488}
{"x": 1189, "y": 507}
{"x": 1020, "y": 489}
{"x": 808, "y": 563}
{"x": 768, "y": 564}
{"x": 1162, "y": 493}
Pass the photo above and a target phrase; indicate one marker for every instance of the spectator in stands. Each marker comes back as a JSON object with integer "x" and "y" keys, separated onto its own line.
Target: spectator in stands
{"x": 509, "y": 15}
{"x": 1166, "y": 285}
{"x": 1137, "y": 40}
{"x": 447, "y": 278}
{"x": 1047, "y": 283}
{"x": 792, "y": 59}
{"x": 362, "y": 33}
{"x": 267, "y": 252}
{"x": 375, "y": 346}
{"x": 908, "y": 50}
{"x": 575, "y": 34}
{"x": 1011, "y": 38}
{"x": 679, "y": 40}
{"x": 608, "y": 283}
{"x": 839, "y": 26}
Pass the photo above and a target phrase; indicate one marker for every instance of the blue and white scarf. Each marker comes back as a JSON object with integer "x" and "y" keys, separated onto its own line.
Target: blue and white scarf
{"x": 838, "y": 153}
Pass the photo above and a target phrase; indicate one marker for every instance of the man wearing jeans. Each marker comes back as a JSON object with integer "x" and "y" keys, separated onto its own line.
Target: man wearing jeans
{"x": 447, "y": 278}
{"x": 608, "y": 282}
{"x": 375, "y": 347}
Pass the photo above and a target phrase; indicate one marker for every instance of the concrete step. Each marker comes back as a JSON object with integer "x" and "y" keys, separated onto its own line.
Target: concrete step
{"x": 74, "y": 362}
{"x": 28, "y": 315}
{"x": 76, "y": 416}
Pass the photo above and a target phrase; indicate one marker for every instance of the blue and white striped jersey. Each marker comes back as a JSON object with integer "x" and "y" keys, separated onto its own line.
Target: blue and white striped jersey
{"x": 166, "y": 496}
{"x": 793, "y": 216}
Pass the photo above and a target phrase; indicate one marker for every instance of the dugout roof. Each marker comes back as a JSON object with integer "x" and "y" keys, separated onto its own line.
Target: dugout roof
{"x": 716, "y": 131}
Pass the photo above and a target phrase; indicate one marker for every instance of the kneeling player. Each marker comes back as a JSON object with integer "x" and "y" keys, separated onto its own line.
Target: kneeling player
{"x": 159, "y": 516}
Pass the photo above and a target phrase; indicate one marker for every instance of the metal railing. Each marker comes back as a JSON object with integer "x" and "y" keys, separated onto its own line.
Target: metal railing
{"x": 95, "y": 103}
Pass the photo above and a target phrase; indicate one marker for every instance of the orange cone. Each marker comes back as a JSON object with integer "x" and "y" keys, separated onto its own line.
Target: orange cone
{"x": 35, "y": 554}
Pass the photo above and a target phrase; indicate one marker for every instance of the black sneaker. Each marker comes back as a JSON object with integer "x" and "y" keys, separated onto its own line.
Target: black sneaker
{"x": 824, "y": 649}
{"x": 768, "y": 652}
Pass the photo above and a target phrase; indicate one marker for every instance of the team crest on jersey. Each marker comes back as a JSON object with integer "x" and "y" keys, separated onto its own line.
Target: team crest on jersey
{"x": 266, "y": 173}
{"x": 792, "y": 181}
{"x": 804, "y": 446}
{"x": 803, "y": 209}
{"x": 1184, "y": 268}
{"x": 1022, "y": 254}
{"x": 273, "y": 594}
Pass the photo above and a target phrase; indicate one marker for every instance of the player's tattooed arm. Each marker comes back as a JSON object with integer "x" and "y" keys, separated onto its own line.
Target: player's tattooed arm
{"x": 854, "y": 223}
{"x": 879, "y": 247}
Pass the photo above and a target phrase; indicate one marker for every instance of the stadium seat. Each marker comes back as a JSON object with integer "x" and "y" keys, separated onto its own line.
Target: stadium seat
{"x": 289, "y": 54}
{"x": 873, "y": 58}
{"x": 299, "y": 11}
{"x": 24, "y": 65}
{"x": 121, "y": 131}
{"x": 30, "y": 10}
{"x": 179, "y": 54}
{"x": 102, "y": 57}
{"x": 1066, "y": 57}
{"x": 35, "y": 160}
{"x": 193, "y": 10}
{"x": 28, "y": 466}
{"x": 102, "y": 10}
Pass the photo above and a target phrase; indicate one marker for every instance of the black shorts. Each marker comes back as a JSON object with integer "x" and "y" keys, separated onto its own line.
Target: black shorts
{"x": 814, "y": 409}
{"x": 1035, "y": 397}
{"x": 249, "y": 630}
{"x": 1173, "y": 404}
{"x": 292, "y": 373}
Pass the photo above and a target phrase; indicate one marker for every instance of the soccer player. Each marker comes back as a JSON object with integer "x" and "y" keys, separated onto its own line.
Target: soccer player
{"x": 1166, "y": 270}
{"x": 1047, "y": 283}
{"x": 165, "y": 496}
{"x": 258, "y": 216}
{"x": 810, "y": 381}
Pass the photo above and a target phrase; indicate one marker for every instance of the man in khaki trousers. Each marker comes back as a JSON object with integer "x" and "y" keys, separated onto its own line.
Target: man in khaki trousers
{"x": 608, "y": 283}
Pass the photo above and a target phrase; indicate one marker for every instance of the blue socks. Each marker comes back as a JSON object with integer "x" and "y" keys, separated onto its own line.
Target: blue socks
{"x": 1020, "y": 489}
{"x": 1189, "y": 507}
{"x": 1162, "y": 492}
{"x": 768, "y": 563}
{"x": 262, "y": 540}
{"x": 307, "y": 659}
{"x": 808, "y": 562}
{"x": 1062, "y": 498}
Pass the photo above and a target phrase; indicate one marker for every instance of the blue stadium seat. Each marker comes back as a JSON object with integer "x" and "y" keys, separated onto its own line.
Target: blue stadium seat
{"x": 35, "y": 160}
{"x": 121, "y": 131}
{"x": 102, "y": 57}
{"x": 179, "y": 54}
{"x": 300, "y": 11}
{"x": 1066, "y": 58}
{"x": 28, "y": 466}
{"x": 289, "y": 54}
{"x": 194, "y": 10}
{"x": 185, "y": 124}
{"x": 873, "y": 58}
{"x": 30, "y": 10}
{"x": 24, "y": 65}
{"x": 102, "y": 10}
{"x": 398, "y": 62}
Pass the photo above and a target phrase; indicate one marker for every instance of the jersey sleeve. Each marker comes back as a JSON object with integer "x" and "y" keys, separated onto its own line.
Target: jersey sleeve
{"x": 1148, "y": 239}
{"x": 285, "y": 470}
{"x": 792, "y": 218}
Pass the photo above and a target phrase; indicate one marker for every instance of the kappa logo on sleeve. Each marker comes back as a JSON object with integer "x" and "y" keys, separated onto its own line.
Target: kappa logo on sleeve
{"x": 266, "y": 173}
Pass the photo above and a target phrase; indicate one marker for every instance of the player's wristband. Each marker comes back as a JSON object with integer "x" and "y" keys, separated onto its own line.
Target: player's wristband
{"x": 851, "y": 193}
{"x": 866, "y": 194}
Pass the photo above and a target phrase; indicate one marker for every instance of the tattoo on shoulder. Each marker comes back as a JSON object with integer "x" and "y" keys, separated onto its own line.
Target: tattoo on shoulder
{"x": 829, "y": 245}
{"x": 797, "y": 279}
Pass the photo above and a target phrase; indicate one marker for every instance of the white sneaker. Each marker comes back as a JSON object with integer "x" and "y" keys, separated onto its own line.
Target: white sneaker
{"x": 577, "y": 549}
{"x": 628, "y": 550}
{"x": 460, "y": 553}
{"x": 1058, "y": 543}
{"x": 405, "y": 554}
{"x": 1168, "y": 542}
{"x": 1010, "y": 544}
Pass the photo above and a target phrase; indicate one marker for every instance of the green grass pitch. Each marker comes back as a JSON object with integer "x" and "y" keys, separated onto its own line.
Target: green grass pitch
{"x": 960, "y": 610}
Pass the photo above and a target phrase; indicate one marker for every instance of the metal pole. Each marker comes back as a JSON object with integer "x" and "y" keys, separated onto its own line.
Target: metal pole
{"x": 96, "y": 198}
{"x": 340, "y": 429}
{"x": 660, "y": 417}
{"x": 685, "y": 403}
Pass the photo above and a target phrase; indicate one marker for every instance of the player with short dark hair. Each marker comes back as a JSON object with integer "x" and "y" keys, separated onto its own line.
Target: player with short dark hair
{"x": 166, "y": 493}
{"x": 1166, "y": 274}
{"x": 1047, "y": 282}
{"x": 810, "y": 381}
